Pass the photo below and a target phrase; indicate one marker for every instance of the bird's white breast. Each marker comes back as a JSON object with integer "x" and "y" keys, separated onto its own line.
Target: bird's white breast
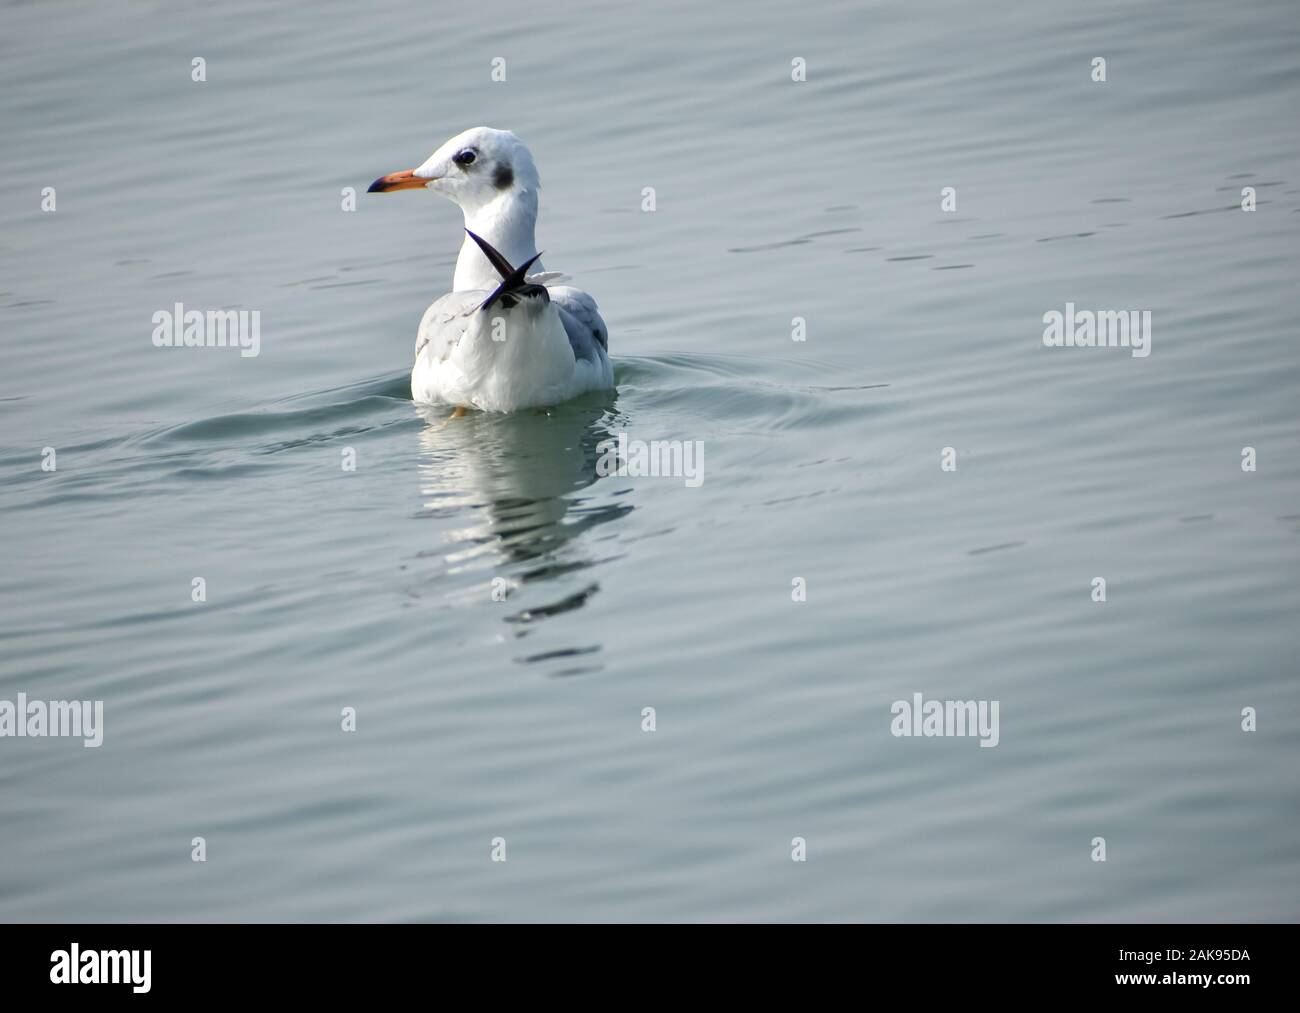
{"x": 502, "y": 359}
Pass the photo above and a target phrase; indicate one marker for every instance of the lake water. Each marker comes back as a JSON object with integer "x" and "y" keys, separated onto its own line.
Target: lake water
{"x": 522, "y": 719}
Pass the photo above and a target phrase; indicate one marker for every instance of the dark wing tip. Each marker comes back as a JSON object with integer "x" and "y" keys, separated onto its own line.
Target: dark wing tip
{"x": 502, "y": 265}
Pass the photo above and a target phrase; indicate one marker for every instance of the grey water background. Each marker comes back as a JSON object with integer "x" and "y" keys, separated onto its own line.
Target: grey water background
{"x": 522, "y": 719}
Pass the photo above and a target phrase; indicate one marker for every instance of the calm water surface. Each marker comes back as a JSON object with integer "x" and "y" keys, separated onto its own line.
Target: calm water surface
{"x": 522, "y": 718}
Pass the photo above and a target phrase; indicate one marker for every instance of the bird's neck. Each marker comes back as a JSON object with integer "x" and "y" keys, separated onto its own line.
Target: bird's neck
{"x": 507, "y": 223}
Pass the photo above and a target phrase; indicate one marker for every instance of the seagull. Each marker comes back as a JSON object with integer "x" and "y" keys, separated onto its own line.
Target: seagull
{"x": 502, "y": 339}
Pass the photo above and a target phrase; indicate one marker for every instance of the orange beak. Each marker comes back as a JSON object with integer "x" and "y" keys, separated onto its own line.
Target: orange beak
{"x": 404, "y": 180}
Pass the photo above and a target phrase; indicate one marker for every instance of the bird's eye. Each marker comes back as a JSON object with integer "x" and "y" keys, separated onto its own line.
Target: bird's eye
{"x": 465, "y": 157}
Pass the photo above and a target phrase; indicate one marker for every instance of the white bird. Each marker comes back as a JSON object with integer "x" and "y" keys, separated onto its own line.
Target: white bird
{"x": 500, "y": 340}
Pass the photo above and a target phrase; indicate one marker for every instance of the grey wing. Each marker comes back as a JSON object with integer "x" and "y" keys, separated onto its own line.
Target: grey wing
{"x": 445, "y": 323}
{"x": 582, "y": 322}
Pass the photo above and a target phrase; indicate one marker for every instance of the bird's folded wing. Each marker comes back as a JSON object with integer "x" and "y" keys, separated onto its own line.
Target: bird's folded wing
{"x": 445, "y": 323}
{"x": 582, "y": 321}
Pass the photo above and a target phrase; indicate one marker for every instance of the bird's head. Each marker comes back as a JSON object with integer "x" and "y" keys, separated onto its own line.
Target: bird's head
{"x": 473, "y": 169}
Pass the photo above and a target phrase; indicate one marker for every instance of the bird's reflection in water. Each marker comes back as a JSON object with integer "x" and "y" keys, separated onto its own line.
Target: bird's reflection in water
{"x": 522, "y": 488}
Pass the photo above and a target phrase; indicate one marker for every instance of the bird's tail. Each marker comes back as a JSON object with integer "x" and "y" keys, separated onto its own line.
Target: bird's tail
{"x": 512, "y": 278}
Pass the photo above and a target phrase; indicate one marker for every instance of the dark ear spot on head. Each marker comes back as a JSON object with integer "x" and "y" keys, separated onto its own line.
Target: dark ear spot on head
{"x": 503, "y": 176}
